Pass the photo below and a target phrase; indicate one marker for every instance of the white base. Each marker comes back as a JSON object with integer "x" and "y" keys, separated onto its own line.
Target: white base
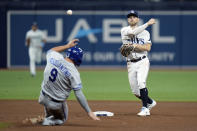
{"x": 103, "y": 113}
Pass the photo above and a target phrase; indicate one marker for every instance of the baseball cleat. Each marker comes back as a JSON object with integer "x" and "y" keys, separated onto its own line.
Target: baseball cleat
{"x": 58, "y": 122}
{"x": 50, "y": 121}
{"x": 144, "y": 112}
{"x": 47, "y": 122}
{"x": 150, "y": 106}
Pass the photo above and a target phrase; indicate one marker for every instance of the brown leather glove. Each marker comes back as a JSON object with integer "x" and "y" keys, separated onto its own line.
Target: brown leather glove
{"x": 126, "y": 49}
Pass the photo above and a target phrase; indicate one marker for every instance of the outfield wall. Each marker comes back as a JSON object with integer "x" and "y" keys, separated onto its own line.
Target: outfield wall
{"x": 173, "y": 36}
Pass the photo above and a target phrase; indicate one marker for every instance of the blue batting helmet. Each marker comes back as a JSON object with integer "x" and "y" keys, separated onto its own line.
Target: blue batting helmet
{"x": 76, "y": 54}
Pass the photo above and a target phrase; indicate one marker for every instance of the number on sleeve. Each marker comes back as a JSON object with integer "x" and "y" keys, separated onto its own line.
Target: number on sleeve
{"x": 53, "y": 75}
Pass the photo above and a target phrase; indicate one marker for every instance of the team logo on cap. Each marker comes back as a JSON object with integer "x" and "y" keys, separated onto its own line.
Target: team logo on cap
{"x": 132, "y": 11}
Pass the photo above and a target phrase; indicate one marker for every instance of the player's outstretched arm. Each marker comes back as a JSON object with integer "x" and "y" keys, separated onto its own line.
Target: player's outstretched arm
{"x": 83, "y": 102}
{"x": 139, "y": 29}
{"x": 70, "y": 44}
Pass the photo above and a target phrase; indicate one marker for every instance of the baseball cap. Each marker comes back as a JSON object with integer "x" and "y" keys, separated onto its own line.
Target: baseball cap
{"x": 132, "y": 13}
{"x": 34, "y": 24}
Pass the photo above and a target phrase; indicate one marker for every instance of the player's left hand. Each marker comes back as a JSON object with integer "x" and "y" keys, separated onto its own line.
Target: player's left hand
{"x": 93, "y": 116}
{"x": 73, "y": 43}
{"x": 126, "y": 49}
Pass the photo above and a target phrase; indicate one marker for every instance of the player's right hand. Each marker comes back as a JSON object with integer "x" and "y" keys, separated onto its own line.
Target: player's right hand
{"x": 93, "y": 116}
{"x": 73, "y": 43}
{"x": 151, "y": 21}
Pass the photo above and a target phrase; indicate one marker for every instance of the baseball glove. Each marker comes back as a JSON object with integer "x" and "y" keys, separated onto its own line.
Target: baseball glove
{"x": 125, "y": 49}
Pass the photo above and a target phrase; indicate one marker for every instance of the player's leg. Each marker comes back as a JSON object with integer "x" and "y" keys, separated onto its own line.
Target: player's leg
{"x": 57, "y": 117}
{"x": 38, "y": 55}
{"x": 61, "y": 113}
{"x": 42, "y": 100}
{"x": 32, "y": 58}
{"x": 55, "y": 112}
{"x": 142, "y": 74}
{"x": 132, "y": 76}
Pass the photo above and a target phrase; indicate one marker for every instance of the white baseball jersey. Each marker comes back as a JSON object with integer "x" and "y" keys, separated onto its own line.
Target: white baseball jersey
{"x": 60, "y": 77}
{"x": 35, "y": 37}
{"x": 141, "y": 38}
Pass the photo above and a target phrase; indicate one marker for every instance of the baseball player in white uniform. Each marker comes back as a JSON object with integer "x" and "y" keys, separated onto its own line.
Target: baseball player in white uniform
{"x": 137, "y": 61}
{"x": 35, "y": 39}
{"x": 60, "y": 78}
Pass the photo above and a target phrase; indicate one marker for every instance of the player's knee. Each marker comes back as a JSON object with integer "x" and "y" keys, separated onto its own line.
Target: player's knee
{"x": 38, "y": 60}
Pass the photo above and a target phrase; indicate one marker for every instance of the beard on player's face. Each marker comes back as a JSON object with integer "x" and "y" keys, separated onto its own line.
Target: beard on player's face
{"x": 133, "y": 21}
{"x": 133, "y": 24}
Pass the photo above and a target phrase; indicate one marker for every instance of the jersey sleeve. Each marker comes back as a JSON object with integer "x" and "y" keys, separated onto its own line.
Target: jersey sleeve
{"x": 76, "y": 81}
{"x": 135, "y": 31}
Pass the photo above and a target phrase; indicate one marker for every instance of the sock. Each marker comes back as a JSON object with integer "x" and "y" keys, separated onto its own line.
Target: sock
{"x": 149, "y": 100}
{"x": 144, "y": 96}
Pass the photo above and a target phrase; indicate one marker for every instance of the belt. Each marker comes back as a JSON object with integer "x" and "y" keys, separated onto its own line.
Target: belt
{"x": 50, "y": 97}
{"x": 136, "y": 60}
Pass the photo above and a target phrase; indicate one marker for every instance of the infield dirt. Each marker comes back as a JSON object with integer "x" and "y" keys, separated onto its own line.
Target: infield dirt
{"x": 166, "y": 116}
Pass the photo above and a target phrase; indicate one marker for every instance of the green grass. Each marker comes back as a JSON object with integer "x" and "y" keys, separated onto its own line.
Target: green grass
{"x": 4, "y": 125}
{"x": 105, "y": 85}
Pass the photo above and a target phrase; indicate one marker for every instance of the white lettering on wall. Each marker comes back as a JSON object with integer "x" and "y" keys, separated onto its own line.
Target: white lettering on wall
{"x": 58, "y": 32}
{"x": 82, "y": 23}
{"x": 162, "y": 56}
{"x": 108, "y": 30}
{"x": 110, "y": 34}
{"x": 161, "y": 39}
